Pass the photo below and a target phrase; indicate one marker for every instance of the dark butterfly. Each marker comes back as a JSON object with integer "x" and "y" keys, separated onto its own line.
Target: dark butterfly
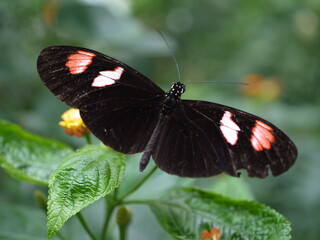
{"x": 131, "y": 114}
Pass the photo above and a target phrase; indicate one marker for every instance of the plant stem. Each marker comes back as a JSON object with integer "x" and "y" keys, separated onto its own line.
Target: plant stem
{"x": 115, "y": 193}
{"x": 122, "y": 232}
{"x": 88, "y": 138}
{"x": 110, "y": 208}
{"x": 61, "y": 236}
{"x": 123, "y": 219}
{"x": 137, "y": 201}
{"x": 140, "y": 183}
{"x": 112, "y": 201}
{"x": 85, "y": 226}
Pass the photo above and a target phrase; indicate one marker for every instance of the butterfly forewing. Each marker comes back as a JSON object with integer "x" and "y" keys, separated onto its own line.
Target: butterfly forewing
{"x": 119, "y": 105}
{"x": 85, "y": 79}
{"x": 225, "y": 138}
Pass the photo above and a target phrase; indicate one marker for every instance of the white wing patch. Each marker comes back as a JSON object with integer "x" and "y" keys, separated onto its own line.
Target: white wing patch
{"x": 107, "y": 78}
{"x": 229, "y": 128}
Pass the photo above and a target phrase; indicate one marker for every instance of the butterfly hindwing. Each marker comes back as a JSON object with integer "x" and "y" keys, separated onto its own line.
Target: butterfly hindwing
{"x": 185, "y": 150}
{"x": 126, "y": 129}
{"x": 221, "y": 138}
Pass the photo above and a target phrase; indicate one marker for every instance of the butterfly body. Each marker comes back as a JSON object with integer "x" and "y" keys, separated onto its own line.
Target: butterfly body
{"x": 131, "y": 114}
{"x": 171, "y": 101}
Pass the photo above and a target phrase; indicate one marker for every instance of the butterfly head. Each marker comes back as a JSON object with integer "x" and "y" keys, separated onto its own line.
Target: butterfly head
{"x": 172, "y": 98}
{"x": 176, "y": 90}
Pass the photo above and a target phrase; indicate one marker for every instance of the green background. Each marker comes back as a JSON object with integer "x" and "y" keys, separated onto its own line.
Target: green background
{"x": 213, "y": 40}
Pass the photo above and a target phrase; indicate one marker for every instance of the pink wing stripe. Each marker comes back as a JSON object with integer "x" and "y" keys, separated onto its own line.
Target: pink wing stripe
{"x": 262, "y": 137}
{"x": 86, "y": 53}
{"x": 79, "y": 62}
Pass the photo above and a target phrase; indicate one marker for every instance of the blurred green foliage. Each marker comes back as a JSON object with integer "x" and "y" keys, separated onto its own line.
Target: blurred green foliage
{"x": 213, "y": 40}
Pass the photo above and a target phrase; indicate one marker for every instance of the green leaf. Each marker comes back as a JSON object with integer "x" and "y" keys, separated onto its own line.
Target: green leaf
{"x": 81, "y": 179}
{"x": 184, "y": 213}
{"x": 232, "y": 187}
{"x": 29, "y": 157}
{"x": 21, "y": 223}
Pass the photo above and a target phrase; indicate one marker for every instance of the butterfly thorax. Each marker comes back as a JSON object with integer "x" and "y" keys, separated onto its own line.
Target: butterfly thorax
{"x": 172, "y": 98}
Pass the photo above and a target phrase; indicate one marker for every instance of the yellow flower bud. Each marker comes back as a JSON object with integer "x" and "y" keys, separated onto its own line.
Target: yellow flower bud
{"x": 72, "y": 123}
{"x": 123, "y": 216}
{"x": 41, "y": 199}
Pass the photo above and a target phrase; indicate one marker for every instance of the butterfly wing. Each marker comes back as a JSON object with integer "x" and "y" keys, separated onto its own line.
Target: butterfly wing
{"x": 122, "y": 107}
{"x": 84, "y": 78}
{"x": 202, "y": 139}
{"x": 126, "y": 129}
{"x": 118, "y": 104}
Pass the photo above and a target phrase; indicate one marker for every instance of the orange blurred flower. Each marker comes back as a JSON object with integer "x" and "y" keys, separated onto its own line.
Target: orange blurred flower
{"x": 214, "y": 234}
{"x": 50, "y": 12}
{"x": 261, "y": 87}
{"x": 72, "y": 123}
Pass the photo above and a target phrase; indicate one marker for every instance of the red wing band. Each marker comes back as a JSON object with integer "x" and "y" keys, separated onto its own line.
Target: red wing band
{"x": 262, "y": 136}
{"x": 79, "y": 62}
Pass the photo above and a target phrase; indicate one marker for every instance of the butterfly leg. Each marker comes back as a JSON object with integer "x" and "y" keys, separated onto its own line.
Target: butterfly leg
{"x": 152, "y": 143}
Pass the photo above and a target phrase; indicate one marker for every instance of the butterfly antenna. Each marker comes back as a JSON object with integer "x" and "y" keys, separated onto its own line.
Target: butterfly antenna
{"x": 244, "y": 83}
{"x": 171, "y": 52}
